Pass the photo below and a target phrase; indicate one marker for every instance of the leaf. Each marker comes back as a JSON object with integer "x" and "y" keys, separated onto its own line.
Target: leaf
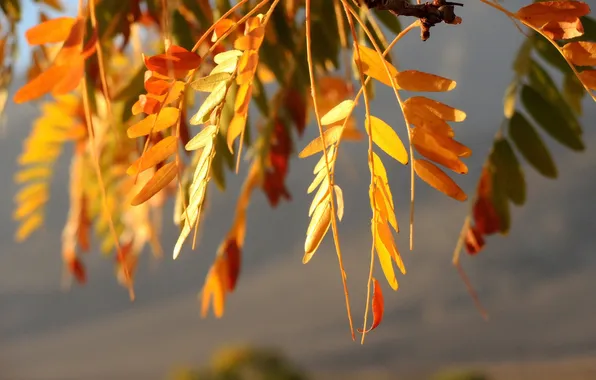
{"x": 531, "y": 146}
{"x": 51, "y": 31}
{"x": 548, "y": 116}
{"x": 167, "y": 117}
{"x": 337, "y": 113}
{"x": 372, "y": 64}
{"x": 42, "y": 84}
{"x": 33, "y": 222}
{"x": 509, "y": 99}
{"x": 154, "y": 155}
{"x": 317, "y": 229}
{"x": 389, "y": 243}
{"x": 538, "y": 14}
{"x": 331, "y": 136}
{"x": 320, "y": 195}
{"x": 499, "y": 200}
{"x": 226, "y": 55}
{"x": 588, "y": 77}
{"x": 563, "y": 29}
{"x": 322, "y": 174}
{"x": 413, "y": 80}
{"x": 443, "y": 111}
{"x": 421, "y": 117}
{"x": 213, "y": 101}
{"x": 385, "y": 259}
{"x": 429, "y": 145}
{"x": 436, "y": 178}
{"x": 339, "y": 198}
{"x": 210, "y": 82}
{"x": 508, "y": 171}
{"x": 573, "y": 92}
{"x": 386, "y": 138}
{"x": 377, "y": 306}
{"x": 160, "y": 180}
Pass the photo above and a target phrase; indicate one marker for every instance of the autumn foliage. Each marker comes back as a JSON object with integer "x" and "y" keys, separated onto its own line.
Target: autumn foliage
{"x": 216, "y": 86}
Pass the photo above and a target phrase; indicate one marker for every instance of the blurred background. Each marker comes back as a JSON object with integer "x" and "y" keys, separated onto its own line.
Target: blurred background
{"x": 538, "y": 283}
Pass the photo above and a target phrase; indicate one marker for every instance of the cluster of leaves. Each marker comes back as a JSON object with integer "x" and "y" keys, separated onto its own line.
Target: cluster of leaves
{"x": 136, "y": 146}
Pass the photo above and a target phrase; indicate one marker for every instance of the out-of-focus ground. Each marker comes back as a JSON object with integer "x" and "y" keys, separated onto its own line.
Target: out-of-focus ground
{"x": 538, "y": 283}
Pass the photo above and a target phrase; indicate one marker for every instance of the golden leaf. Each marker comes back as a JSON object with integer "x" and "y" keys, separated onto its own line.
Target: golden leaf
{"x": 423, "y": 104}
{"x": 50, "y": 31}
{"x": 429, "y": 145}
{"x": 386, "y": 138}
{"x": 34, "y": 173}
{"x": 385, "y": 260}
{"x": 317, "y": 229}
{"x": 154, "y": 155}
{"x": 413, "y": 80}
{"x": 322, "y": 174}
{"x": 28, "y": 226}
{"x": 339, "y": 197}
{"x": 389, "y": 243}
{"x": 581, "y": 53}
{"x": 436, "y": 178}
{"x": 247, "y": 66}
{"x": 235, "y": 129}
{"x": 321, "y": 164}
{"x": 331, "y": 135}
{"x": 422, "y": 117}
{"x": 563, "y": 29}
{"x": 337, "y": 113}
{"x": 320, "y": 195}
{"x": 160, "y": 179}
{"x": 538, "y": 14}
{"x": 372, "y": 64}
{"x": 210, "y": 82}
{"x": 166, "y": 118}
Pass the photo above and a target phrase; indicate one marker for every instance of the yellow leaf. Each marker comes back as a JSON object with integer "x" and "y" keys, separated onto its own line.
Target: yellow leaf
{"x": 34, "y": 173}
{"x": 247, "y": 66}
{"x": 436, "y": 178}
{"x": 29, "y": 205}
{"x": 413, "y": 80}
{"x": 202, "y": 138}
{"x": 339, "y": 197}
{"x": 242, "y": 101}
{"x": 154, "y": 155}
{"x": 588, "y": 77}
{"x": 384, "y": 204}
{"x": 235, "y": 129}
{"x": 389, "y": 243}
{"x": 28, "y": 226}
{"x": 386, "y": 138}
{"x": 166, "y": 118}
{"x": 331, "y": 135}
{"x": 160, "y": 180}
{"x": 321, "y": 194}
{"x": 372, "y": 64}
{"x": 423, "y": 104}
{"x": 338, "y": 113}
{"x": 212, "y": 102}
{"x": 322, "y": 174}
{"x": 226, "y": 55}
{"x": 581, "y": 53}
{"x": 318, "y": 227}
{"x": 385, "y": 260}
{"x": 322, "y": 163}
{"x": 210, "y": 82}
{"x": 379, "y": 168}
{"x": 31, "y": 191}
{"x": 428, "y": 145}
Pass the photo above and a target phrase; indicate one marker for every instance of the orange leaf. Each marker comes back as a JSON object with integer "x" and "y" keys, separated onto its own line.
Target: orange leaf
{"x": 154, "y": 155}
{"x": 422, "y": 117}
{"x": 413, "y": 80}
{"x": 581, "y": 53}
{"x": 588, "y": 77}
{"x": 436, "y": 178}
{"x": 539, "y": 14}
{"x": 71, "y": 78}
{"x": 42, "y": 84}
{"x": 372, "y": 65}
{"x": 431, "y": 147}
{"x": 378, "y": 306}
{"x": 72, "y": 47}
{"x": 146, "y": 105}
{"x": 251, "y": 41}
{"x": 214, "y": 289}
{"x": 160, "y": 179}
{"x": 386, "y": 139}
{"x": 247, "y": 66}
{"x": 176, "y": 62}
{"x": 235, "y": 129}
{"x": 221, "y": 27}
{"x": 51, "y": 31}
{"x": 154, "y": 123}
{"x": 423, "y": 104}
{"x": 563, "y": 29}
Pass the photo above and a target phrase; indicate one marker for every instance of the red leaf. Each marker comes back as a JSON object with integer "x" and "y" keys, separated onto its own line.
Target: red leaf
{"x": 474, "y": 241}
{"x": 232, "y": 258}
{"x": 77, "y": 269}
{"x": 378, "y": 306}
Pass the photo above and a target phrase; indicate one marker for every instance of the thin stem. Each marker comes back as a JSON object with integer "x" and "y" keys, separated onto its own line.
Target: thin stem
{"x": 329, "y": 177}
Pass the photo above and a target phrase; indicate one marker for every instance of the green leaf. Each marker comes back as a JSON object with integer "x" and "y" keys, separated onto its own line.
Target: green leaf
{"x": 210, "y": 82}
{"x": 550, "y": 54}
{"x": 521, "y": 65}
{"x": 389, "y": 20}
{"x": 181, "y": 31}
{"x": 574, "y": 92}
{"x": 509, "y": 99}
{"x": 508, "y": 171}
{"x": 549, "y": 117}
{"x": 500, "y": 201}
{"x": 213, "y": 100}
{"x": 541, "y": 81}
{"x": 530, "y": 145}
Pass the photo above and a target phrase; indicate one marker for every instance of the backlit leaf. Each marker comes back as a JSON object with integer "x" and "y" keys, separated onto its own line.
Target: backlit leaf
{"x": 166, "y": 118}
{"x": 339, "y": 197}
{"x": 372, "y": 64}
{"x": 210, "y": 82}
{"x": 385, "y": 259}
{"x": 154, "y": 155}
{"x": 436, "y": 178}
{"x": 549, "y": 117}
{"x": 317, "y": 229}
{"x": 531, "y": 146}
{"x": 429, "y": 145}
{"x": 445, "y": 112}
{"x": 42, "y": 84}
{"x": 32, "y": 223}
{"x": 331, "y": 136}
{"x": 563, "y": 29}
{"x": 377, "y": 306}
{"x": 50, "y": 31}
{"x": 538, "y": 14}
{"x": 201, "y": 139}
{"x": 509, "y": 99}
{"x": 337, "y": 113}
{"x": 386, "y": 138}
{"x": 413, "y": 80}
{"x": 213, "y": 101}
{"x": 160, "y": 179}
{"x": 588, "y": 77}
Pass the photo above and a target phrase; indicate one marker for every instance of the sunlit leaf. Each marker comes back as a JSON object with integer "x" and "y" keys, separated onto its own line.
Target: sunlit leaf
{"x": 386, "y": 138}
{"x": 377, "y": 306}
{"x": 531, "y": 146}
{"x": 588, "y": 77}
{"x": 413, "y": 80}
{"x": 160, "y": 180}
{"x": 429, "y": 145}
{"x": 50, "y": 31}
{"x": 154, "y": 155}
{"x": 372, "y": 64}
{"x": 320, "y": 195}
{"x": 445, "y": 112}
{"x": 32, "y": 223}
{"x": 563, "y": 29}
{"x": 213, "y": 101}
{"x": 538, "y": 14}
{"x": 167, "y": 117}
{"x": 337, "y": 113}
{"x": 210, "y": 82}
{"x": 436, "y": 178}
{"x": 331, "y": 136}
{"x": 317, "y": 229}
{"x": 339, "y": 197}
{"x": 509, "y": 99}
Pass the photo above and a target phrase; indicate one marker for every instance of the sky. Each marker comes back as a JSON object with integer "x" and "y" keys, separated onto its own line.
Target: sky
{"x": 537, "y": 283}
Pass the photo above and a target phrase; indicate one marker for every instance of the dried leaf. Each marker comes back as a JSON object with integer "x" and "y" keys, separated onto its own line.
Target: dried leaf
{"x": 320, "y": 195}
{"x": 317, "y": 229}
{"x": 436, "y": 178}
{"x": 581, "y": 53}
{"x": 160, "y": 180}
{"x": 338, "y": 113}
{"x": 377, "y": 306}
{"x": 154, "y": 155}
{"x": 386, "y": 138}
{"x": 167, "y": 117}
{"x": 413, "y": 80}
